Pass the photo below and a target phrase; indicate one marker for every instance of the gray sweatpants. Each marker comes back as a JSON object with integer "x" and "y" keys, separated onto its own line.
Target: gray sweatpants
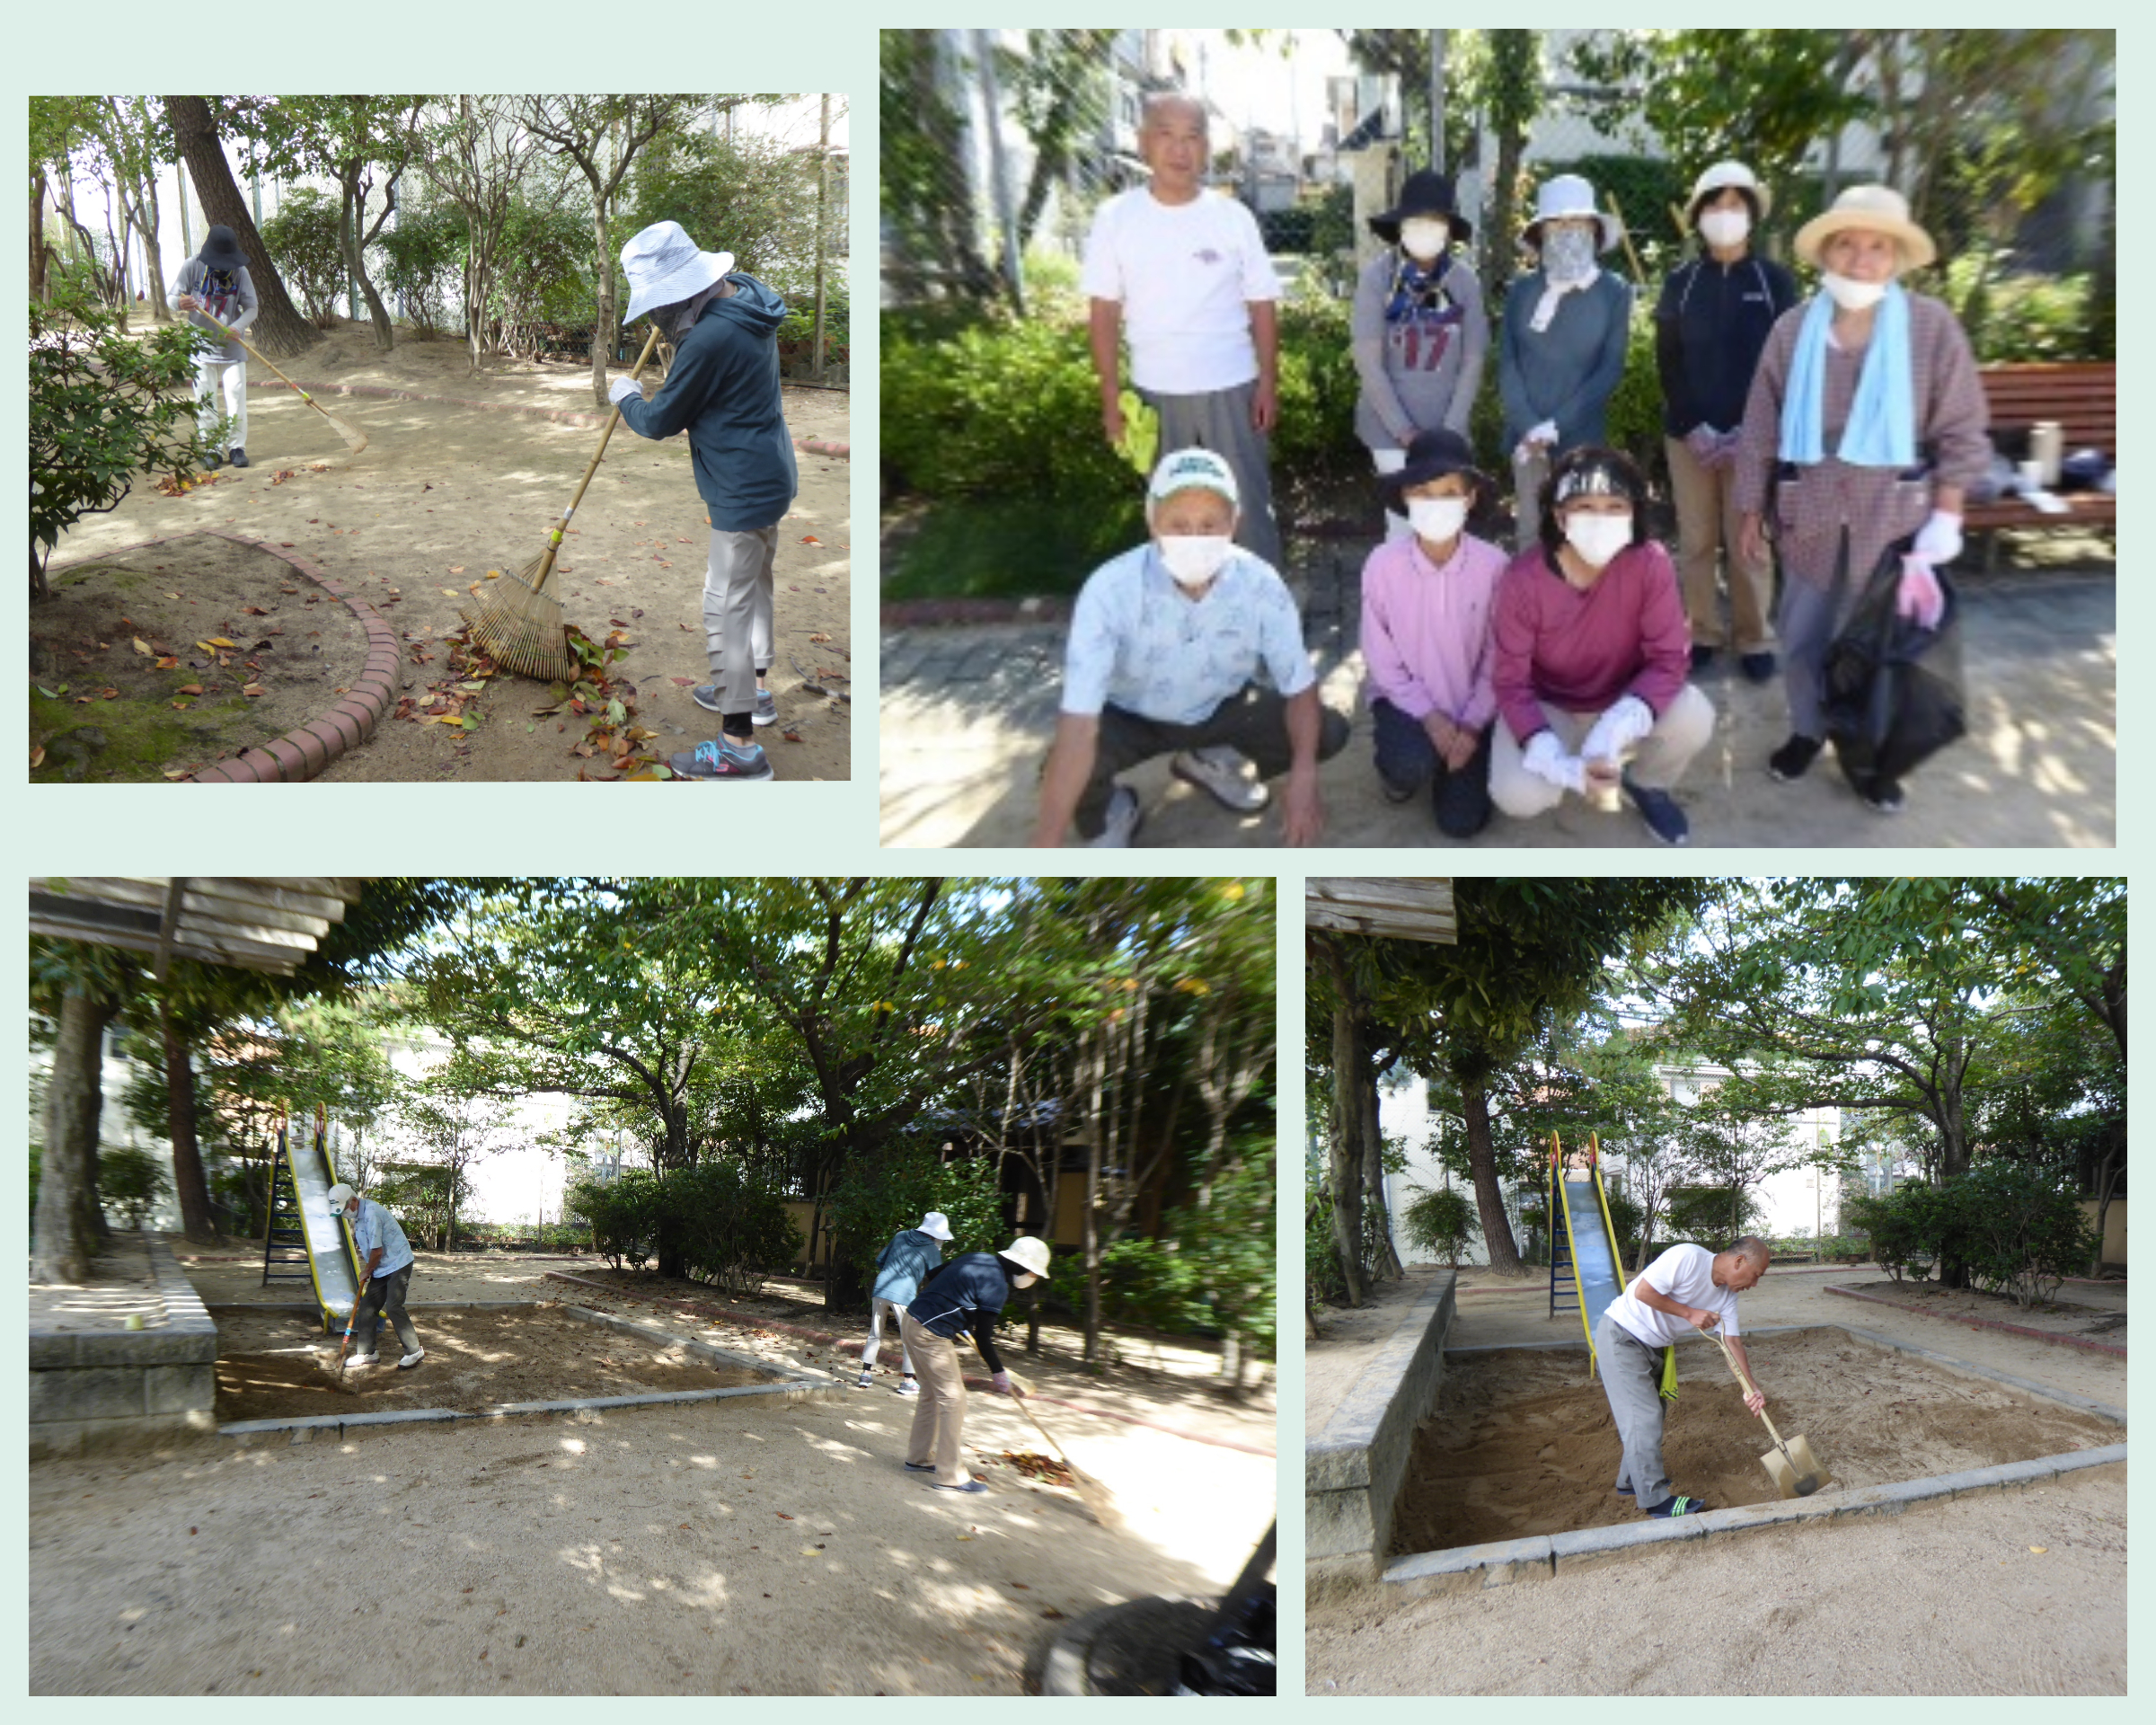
{"x": 736, "y": 613}
{"x": 384, "y": 1297}
{"x": 1631, "y": 1377}
{"x": 1220, "y": 420}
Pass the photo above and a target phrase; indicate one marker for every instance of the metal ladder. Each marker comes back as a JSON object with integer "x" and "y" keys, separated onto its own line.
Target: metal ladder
{"x": 284, "y": 1242}
{"x": 1564, "y": 1280}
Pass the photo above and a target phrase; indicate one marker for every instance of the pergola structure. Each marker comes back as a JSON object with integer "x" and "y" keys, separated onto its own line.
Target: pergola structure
{"x": 258, "y": 922}
{"x": 1400, "y": 909}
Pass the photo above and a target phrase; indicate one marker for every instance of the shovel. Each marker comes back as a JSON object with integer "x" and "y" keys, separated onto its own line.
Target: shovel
{"x": 1796, "y": 1472}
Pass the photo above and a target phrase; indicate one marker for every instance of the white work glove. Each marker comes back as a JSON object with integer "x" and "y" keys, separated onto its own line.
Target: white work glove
{"x": 1623, "y": 722}
{"x": 1002, "y": 1380}
{"x": 622, "y": 388}
{"x": 1939, "y": 541}
{"x": 1545, "y": 433}
{"x": 1919, "y": 597}
{"x": 1545, "y": 757}
{"x": 1704, "y": 441}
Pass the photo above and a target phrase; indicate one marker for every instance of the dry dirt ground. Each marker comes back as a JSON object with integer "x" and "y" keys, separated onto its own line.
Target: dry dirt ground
{"x": 278, "y": 1363}
{"x": 444, "y": 492}
{"x": 1947, "y": 1599}
{"x": 1522, "y": 1443}
{"x": 2085, "y": 1312}
{"x": 736, "y": 1547}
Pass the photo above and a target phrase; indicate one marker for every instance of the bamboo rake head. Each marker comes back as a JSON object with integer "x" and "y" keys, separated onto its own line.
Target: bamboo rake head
{"x": 520, "y": 625}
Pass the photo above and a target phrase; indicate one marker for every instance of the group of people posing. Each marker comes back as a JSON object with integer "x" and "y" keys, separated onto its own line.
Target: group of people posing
{"x": 1819, "y": 433}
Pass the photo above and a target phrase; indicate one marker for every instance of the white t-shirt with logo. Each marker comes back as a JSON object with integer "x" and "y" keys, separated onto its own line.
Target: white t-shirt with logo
{"x": 1684, "y": 1274}
{"x": 1185, "y": 275}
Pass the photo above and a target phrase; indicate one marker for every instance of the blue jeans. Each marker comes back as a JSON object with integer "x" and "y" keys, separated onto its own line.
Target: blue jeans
{"x": 1407, "y": 760}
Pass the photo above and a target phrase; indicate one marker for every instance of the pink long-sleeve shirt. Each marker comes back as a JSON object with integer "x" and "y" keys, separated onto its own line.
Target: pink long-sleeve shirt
{"x": 1426, "y": 628}
{"x": 1558, "y": 646}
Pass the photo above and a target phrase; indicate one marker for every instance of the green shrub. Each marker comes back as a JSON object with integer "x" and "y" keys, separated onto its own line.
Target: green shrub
{"x": 1441, "y": 1222}
{"x": 301, "y": 237}
{"x": 2022, "y": 1229}
{"x": 1321, "y": 1282}
{"x": 131, "y": 1181}
{"x": 623, "y": 1215}
{"x": 421, "y": 264}
{"x": 1910, "y": 1228}
{"x": 37, "y": 1159}
{"x": 730, "y": 1230}
{"x": 1704, "y": 1213}
{"x": 2020, "y": 318}
{"x": 545, "y": 271}
{"x": 877, "y": 1198}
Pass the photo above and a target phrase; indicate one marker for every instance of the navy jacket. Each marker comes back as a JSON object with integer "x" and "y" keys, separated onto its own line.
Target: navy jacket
{"x": 965, "y": 1293}
{"x": 723, "y": 390}
{"x": 1709, "y": 326}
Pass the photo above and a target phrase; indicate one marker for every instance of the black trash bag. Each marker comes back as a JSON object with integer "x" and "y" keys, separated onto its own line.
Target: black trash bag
{"x": 1893, "y": 690}
{"x": 1237, "y": 1656}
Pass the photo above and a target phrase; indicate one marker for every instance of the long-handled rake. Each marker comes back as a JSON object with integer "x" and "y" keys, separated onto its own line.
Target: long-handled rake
{"x": 516, "y": 621}
{"x": 354, "y": 439}
{"x": 1099, "y": 1500}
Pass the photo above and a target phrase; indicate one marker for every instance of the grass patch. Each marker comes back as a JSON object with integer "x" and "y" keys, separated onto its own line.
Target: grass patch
{"x": 125, "y": 741}
{"x": 1009, "y": 549}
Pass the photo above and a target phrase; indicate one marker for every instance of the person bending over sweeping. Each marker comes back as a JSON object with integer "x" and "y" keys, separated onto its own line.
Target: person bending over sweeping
{"x": 911, "y": 1254}
{"x": 218, "y": 294}
{"x": 385, "y": 1272}
{"x": 1634, "y": 1347}
{"x": 966, "y": 1294}
{"x": 723, "y": 389}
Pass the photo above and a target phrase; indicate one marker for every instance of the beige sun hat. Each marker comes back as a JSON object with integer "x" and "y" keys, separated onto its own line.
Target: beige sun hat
{"x": 1873, "y": 209}
{"x": 1570, "y": 195}
{"x": 1027, "y": 1253}
{"x": 1721, "y": 177}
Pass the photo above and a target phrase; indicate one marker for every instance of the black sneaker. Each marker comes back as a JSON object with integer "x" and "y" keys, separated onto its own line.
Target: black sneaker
{"x": 239, "y": 457}
{"x": 1883, "y": 796}
{"x": 1677, "y": 1505}
{"x": 1757, "y": 667}
{"x": 210, "y": 464}
{"x": 1659, "y": 811}
{"x": 1396, "y": 792}
{"x": 1702, "y": 657}
{"x": 1793, "y": 759}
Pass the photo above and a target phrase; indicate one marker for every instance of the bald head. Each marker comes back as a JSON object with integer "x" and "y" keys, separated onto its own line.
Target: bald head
{"x": 1743, "y": 1263}
{"x": 1171, "y": 137}
{"x": 1171, "y": 107}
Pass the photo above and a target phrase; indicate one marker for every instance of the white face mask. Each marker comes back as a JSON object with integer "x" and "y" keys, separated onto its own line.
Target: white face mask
{"x": 1195, "y": 559}
{"x": 1597, "y": 538}
{"x": 1852, "y": 295}
{"x": 1024, "y": 1278}
{"x": 1438, "y": 518}
{"x": 1725, "y": 226}
{"x": 1423, "y": 237}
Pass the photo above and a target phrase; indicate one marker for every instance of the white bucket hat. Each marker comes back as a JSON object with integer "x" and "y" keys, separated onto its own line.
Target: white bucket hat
{"x": 1027, "y": 1253}
{"x": 339, "y": 1196}
{"x": 1721, "y": 177}
{"x": 936, "y": 1225}
{"x": 1570, "y": 195}
{"x": 1192, "y": 469}
{"x": 1875, "y": 209}
{"x": 664, "y": 265}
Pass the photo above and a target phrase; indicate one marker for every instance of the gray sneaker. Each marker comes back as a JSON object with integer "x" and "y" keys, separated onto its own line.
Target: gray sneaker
{"x": 765, "y": 711}
{"x": 1124, "y": 817}
{"x": 1223, "y": 774}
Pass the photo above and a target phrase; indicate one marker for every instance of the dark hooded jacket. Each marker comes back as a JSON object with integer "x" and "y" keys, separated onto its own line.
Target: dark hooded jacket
{"x": 723, "y": 390}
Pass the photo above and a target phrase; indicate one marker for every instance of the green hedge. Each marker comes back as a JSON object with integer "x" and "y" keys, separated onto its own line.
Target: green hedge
{"x": 2020, "y": 1230}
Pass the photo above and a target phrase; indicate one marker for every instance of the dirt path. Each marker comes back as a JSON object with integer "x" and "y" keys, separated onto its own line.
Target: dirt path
{"x": 444, "y": 492}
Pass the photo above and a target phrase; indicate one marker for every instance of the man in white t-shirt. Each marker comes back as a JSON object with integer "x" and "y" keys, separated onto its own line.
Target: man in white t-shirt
{"x": 1686, "y": 1288}
{"x": 1183, "y": 271}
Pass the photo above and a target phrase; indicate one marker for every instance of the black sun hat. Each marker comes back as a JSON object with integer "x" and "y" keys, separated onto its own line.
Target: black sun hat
{"x": 1432, "y": 456}
{"x": 1426, "y": 193}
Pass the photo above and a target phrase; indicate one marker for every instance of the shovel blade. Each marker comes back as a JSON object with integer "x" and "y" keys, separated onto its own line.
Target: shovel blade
{"x": 1798, "y": 1473}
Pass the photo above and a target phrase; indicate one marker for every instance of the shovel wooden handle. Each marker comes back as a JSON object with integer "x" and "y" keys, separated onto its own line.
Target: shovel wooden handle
{"x": 1750, "y": 1385}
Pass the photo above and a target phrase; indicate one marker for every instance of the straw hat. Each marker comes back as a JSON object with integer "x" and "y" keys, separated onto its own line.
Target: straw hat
{"x": 1027, "y": 1253}
{"x": 1721, "y": 177}
{"x": 1873, "y": 209}
{"x": 664, "y": 265}
{"x": 1569, "y": 194}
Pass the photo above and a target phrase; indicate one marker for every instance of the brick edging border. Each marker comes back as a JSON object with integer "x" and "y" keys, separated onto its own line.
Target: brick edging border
{"x": 564, "y": 415}
{"x": 300, "y": 755}
{"x": 1985, "y": 1323}
{"x": 702, "y": 1308}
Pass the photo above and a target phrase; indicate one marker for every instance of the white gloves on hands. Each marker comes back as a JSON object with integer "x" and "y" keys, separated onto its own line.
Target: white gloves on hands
{"x": 1920, "y": 597}
{"x": 1545, "y": 433}
{"x": 622, "y": 388}
{"x": 1002, "y": 1380}
{"x": 1545, "y": 757}
{"x": 1704, "y": 441}
{"x": 1623, "y": 722}
{"x": 1939, "y": 541}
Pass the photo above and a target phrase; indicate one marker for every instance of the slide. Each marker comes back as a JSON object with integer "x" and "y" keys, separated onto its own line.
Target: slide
{"x": 330, "y": 1260}
{"x": 1592, "y": 1240}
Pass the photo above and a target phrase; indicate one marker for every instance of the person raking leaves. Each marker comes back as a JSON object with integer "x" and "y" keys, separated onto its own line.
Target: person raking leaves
{"x": 385, "y": 1263}
{"x": 966, "y": 1294}
{"x": 217, "y": 295}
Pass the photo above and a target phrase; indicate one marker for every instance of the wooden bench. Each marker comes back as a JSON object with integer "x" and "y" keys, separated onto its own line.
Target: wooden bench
{"x": 2083, "y": 397}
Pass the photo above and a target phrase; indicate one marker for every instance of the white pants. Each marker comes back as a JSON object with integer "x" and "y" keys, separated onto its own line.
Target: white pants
{"x": 1391, "y": 461}
{"x": 878, "y": 1310}
{"x": 221, "y": 388}
{"x": 736, "y": 613}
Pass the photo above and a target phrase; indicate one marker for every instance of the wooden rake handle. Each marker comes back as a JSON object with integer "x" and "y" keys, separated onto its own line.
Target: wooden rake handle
{"x": 554, "y": 544}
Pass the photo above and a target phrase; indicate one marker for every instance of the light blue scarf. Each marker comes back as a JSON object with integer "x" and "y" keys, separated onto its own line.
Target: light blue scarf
{"x": 1881, "y": 431}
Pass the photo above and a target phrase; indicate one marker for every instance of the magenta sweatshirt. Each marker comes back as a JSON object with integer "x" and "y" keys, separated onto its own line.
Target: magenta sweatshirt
{"x": 1425, "y": 629}
{"x": 1575, "y": 650}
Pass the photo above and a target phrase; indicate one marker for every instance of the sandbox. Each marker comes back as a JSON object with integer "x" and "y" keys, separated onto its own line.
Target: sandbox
{"x": 273, "y": 1365}
{"x": 1522, "y": 1442}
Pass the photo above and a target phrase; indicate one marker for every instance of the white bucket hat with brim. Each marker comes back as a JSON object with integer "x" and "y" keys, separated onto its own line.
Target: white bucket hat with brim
{"x": 936, "y": 1225}
{"x": 1873, "y": 209}
{"x": 1027, "y": 1253}
{"x": 1721, "y": 177}
{"x": 665, "y": 265}
{"x": 1570, "y": 195}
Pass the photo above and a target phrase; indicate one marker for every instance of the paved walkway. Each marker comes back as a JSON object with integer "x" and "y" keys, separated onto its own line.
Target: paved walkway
{"x": 968, "y": 711}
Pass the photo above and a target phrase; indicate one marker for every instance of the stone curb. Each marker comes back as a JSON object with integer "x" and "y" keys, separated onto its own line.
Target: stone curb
{"x": 409, "y": 1305}
{"x": 1985, "y": 1323}
{"x": 300, "y": 755}
{"x": 929, "y": 614}
{"x": 564, "y": 415}
{"x": 187, "y": 1336}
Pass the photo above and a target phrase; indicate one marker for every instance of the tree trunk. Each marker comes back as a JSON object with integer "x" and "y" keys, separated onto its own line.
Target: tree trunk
{"x": 1385, "y": 1260}
{"x": 1345, "y": 1170}
{"x": 603, "y": 331}
{"x": 2113, "y": 1164}
{"x": 37, "y": 233}
{"x": 355, "y": 235}
{"x": 279, "y": 331}
{"x": 1091, "y": 1234}
{"x": 145, "y": 219}
{"x": 1482, "y": 1161}
{"x": 192, "y": 1189}
{"x": 69, "y": 1227}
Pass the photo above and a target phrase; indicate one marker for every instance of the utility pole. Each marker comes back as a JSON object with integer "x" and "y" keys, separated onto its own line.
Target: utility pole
{"x": 823, "y": 235}
{"x": 1437, "y": 100}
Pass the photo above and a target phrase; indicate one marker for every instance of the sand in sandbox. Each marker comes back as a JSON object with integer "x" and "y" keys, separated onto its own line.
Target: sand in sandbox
{"x": 1522, "y": 1443}
{"x": 269, "y": 1363}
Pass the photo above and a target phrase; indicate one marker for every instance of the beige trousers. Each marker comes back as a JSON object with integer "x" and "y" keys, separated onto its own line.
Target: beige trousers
{"x": 1707, "y": 536}
{"x": 1657, "y": 760}
{"x": 940, "y": 1419}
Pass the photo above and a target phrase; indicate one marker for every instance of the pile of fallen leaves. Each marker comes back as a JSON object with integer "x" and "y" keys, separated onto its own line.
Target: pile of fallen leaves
{"x": 1045, "y": 1468}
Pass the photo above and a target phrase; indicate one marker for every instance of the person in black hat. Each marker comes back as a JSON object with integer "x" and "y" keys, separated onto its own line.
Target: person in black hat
{"x": 1426, "y": 605}
{"x": 1418, "y": 330}
{"x": 217, "y": 293}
